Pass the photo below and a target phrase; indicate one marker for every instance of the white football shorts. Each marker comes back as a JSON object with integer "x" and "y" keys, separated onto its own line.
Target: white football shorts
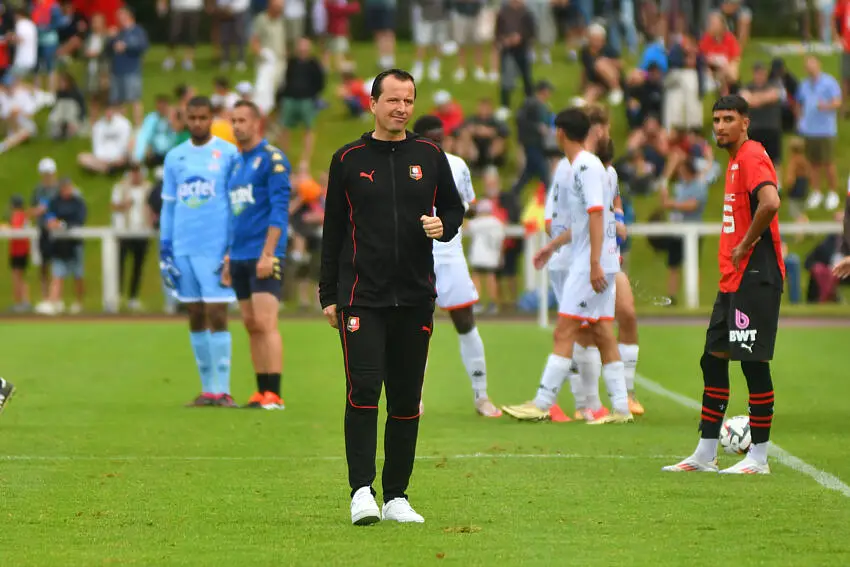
{"x": 579, "y": 301}
{"x": 455, "y": 289}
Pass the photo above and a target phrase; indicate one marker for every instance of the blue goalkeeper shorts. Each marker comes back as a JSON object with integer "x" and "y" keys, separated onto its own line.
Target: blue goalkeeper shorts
{"x": 200, "y": 281}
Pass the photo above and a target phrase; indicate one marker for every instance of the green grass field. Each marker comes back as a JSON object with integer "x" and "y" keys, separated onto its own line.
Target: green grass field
{"x": 101, "y": 465}
{"x": 18, "y": 168}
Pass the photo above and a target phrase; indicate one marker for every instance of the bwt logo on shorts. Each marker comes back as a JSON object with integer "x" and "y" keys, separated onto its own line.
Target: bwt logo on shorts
{"x": 241, "y": 197}
{"x": 196, "y": 191}
{"x": 743, "y": 333}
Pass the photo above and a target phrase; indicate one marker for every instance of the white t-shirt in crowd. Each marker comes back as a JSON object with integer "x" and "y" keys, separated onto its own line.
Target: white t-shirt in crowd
{"x": 591, "y": 191}
{"x": 134, "y": 218}
{"x": 294, "y": 9}
{"x": 235, "y": 6}
{"x": 187, "y": 5}
{"x": 488, "y": 236}
{"x": 111, "y": 138}
{"x": 557, "y": 212}
{"x": 26, "y": 52}
{"x": 453, "y": 249}
{"x": 21, "y": 99}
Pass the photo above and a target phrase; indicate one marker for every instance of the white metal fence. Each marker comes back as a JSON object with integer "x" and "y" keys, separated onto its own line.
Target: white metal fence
{"x": 534, "y": 280}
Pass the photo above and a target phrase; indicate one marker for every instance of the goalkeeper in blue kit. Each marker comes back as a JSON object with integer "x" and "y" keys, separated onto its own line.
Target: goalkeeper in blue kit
{"x": 193, "y": 243}
{"x": 259, "y": 192}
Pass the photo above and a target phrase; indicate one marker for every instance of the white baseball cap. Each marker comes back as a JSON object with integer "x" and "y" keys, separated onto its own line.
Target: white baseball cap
{"x": 442, "y": 97}
{"x": 47, "y": 166}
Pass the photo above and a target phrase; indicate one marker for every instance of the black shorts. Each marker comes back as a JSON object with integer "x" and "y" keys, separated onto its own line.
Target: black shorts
{"x": 510, "y": 261}
{"x": 744, "y": 323}
{"x": 245, "y": 283}
{"x": 380, "y": 18}
{"x": 676, "y": 251}
{"x": 771, "y": 140}
{"x": 19, "y": 262}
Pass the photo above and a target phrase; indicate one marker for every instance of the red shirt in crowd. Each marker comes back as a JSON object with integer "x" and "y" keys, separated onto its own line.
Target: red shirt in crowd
{"x": 727, "y": 46}
{"x": 339, "y": 15}
{"x": 108, "y": 8}
{"x": 842, "y": 16}
{"x": 748, "y": 171}
{"x": 18, "y": 247}
{"x": 452, "y": 116}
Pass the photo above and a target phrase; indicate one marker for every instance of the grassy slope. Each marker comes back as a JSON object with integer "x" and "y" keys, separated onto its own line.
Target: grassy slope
{"x": 18, "y": 171}
{"x": 101, "y": 465}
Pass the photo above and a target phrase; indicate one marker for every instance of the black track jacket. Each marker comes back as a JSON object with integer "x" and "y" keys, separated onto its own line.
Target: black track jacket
{"x": 374, "y": 250}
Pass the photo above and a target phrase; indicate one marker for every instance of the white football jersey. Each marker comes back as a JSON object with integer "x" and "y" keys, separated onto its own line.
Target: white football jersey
{"x": 558, "y": 213}
{"x": 591, "y": 191}
{"x": 453, "y": 249}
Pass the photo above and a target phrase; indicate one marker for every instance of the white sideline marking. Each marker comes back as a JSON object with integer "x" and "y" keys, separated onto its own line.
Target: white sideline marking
{"x": 468, "y": 456}
{"x": 823, "y": 478}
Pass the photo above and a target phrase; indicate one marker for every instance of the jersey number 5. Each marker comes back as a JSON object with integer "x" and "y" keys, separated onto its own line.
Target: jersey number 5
{"x": 728, "y": 220}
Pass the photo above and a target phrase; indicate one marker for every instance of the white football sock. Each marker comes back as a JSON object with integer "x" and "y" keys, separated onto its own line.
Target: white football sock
{"x": 707, "y": 450}
{"x": 578, "y": 390}
{"x": 629, "y": 356}
{"x": 472, "y": 354}
{"x": 589, "y": 363}
{"x": 556, "y": 371}
{"x": 612, "y": 373}
{"x": 758, "y": 452}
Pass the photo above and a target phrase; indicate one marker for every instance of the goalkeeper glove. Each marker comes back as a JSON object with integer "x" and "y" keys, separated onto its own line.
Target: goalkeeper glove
{"x": 169, "y": 272}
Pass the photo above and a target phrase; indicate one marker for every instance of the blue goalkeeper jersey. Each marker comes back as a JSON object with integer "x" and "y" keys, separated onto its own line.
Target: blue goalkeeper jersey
{"x": 195, "y": 208}
{"x": 259, "y": 198}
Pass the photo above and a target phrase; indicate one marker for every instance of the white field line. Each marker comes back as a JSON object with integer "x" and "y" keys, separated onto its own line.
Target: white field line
{"x": 823, "y": 478}
{"x": 177, "y": 458}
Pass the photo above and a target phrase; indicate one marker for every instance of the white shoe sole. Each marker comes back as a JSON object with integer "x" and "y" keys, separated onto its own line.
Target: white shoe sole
{"x": 367, "y": 518}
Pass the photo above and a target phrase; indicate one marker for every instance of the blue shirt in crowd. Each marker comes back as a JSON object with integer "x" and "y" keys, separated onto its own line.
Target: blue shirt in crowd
{"x": 816, "y": 123}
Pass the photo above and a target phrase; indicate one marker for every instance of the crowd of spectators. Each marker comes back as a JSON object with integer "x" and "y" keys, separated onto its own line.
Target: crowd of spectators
{"x": 685, "y": 51}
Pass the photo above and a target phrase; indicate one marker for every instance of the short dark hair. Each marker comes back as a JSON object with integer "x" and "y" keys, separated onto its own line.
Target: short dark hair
{"x": 199, "y": 101}
{"x": 574, "y": 123}
{"x": 222, "y": 82}
{"x": 400, "y": 74}
{"x": 606, "y": 151}
{"x": 181, "y": 90}
{"x": 427, "y": 123}
{"x": 597, "y": 115}
{"x": 734, "y": 103}
{"x": 255, "y": 110}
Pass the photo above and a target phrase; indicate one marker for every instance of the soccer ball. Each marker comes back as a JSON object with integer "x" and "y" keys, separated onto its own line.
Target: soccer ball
{"x": 735, "y": 435}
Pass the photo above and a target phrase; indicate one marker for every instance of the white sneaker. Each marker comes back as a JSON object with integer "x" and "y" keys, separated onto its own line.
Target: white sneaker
{"x": 188, "y": 65}
{"x": 135, "y": 305}
{"x": 748, "y": 466}
{"x": 479, "y": 74}
{"x": 241, "y": 67}
{"x": 400, "y": 510}
{"x": 45, "y": 308}
{"x": 815, "y": 200}
{"x": 546, "y": 57}
{"x": 75, "y": 309}
{"x": 460, "y": 75}
{"x": 59, "y": 307}
{"x": 493, "y": 77}
{"x": 692, "y": 464}
{"x": 832, "y": 201}
{"x": 168, "y": 64}
{"x": 615, "y": 98}
{"x": 364, "y": 509}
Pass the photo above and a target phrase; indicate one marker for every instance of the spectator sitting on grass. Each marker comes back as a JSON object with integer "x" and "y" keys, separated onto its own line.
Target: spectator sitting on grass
{"x": 823, "y": 283}
{"x": 483, "y": 139}
{"x": 304, "y": 83}
{"x": 353, "y": 93}
{"x": 602, "y": 68}
{"x": 156, "y": 136}
{"x": 111, "y": 138}
{"x": 451, "y": 114}
{"x": 68, "y": 116}
{"x": 17, "y": 108}
{"x": 66, "y": 211}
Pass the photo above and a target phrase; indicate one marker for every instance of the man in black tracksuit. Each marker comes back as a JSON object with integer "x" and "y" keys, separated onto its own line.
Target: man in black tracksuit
{"x": 377, "y": 286}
